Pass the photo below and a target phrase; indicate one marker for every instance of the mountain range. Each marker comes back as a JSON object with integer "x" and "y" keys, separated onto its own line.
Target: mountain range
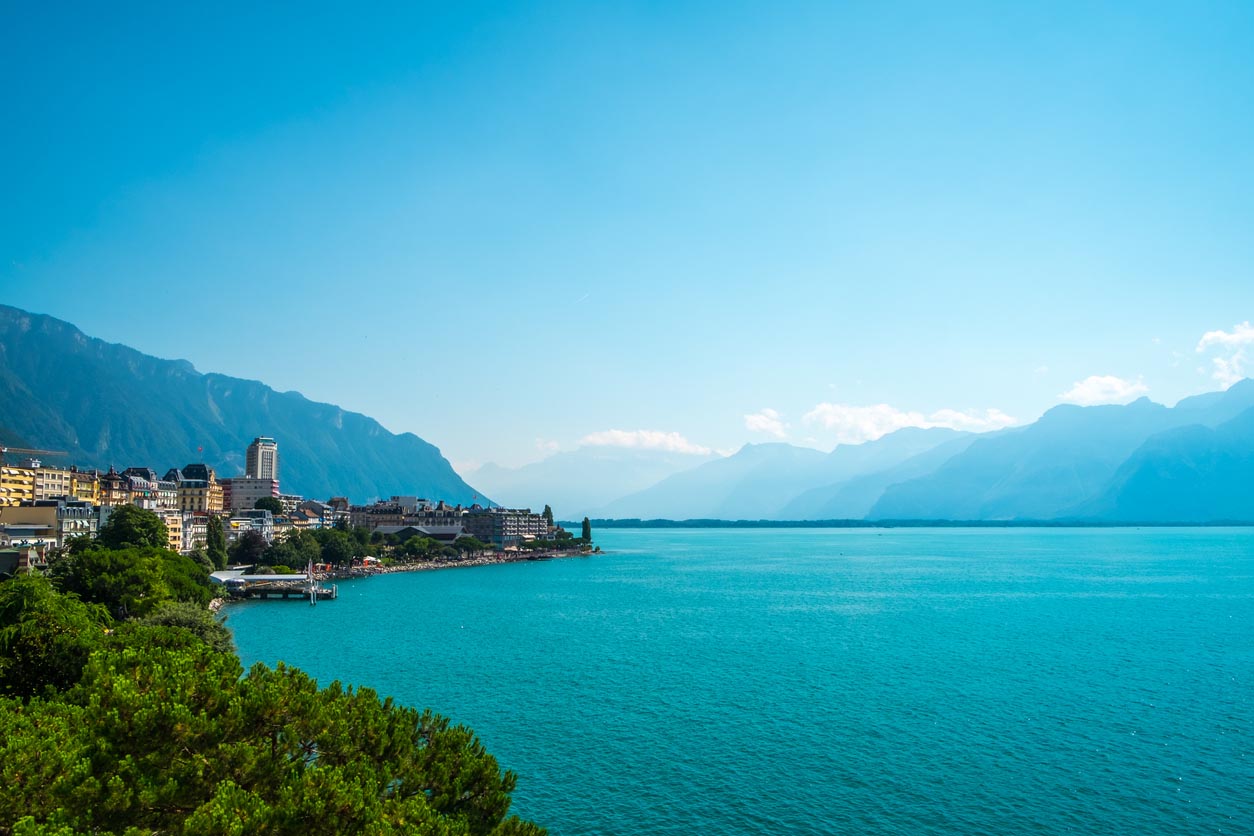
{"x": 107, "y": 404}
{"x": 1139, "y": 462}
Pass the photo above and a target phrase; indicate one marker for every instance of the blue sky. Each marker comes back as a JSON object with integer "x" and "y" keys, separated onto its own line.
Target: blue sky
{"x": 512, "y": 229}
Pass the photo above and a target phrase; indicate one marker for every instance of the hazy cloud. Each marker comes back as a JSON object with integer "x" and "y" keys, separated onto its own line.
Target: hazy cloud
{"x": 1098, "y": 389}
{"x": 1230, "y": 366}
{"x": 856, "y": 424}
{"x": 644, "y": 440}
{"x": 766, "y": 421}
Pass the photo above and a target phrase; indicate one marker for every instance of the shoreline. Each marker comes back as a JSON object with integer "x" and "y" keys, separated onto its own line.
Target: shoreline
{"x": 493, "y": 559}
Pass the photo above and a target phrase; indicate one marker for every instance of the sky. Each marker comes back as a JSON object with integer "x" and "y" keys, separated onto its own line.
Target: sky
{"x": 519, "y": 228}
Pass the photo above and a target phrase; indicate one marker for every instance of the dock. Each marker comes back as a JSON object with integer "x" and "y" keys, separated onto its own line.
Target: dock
{"x": 303, "y": 586}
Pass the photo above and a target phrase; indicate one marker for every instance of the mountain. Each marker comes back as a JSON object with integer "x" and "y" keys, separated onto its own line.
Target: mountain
{"x": 108, "y": 404}
{"x": 1052, "y": 467}
{"x": 730, "y": 488}
{"x": 760, "y": 480}
{"x": 853, "y": 498}
{"x": 1192, "y": 474}
{"x": 579, "y": 481}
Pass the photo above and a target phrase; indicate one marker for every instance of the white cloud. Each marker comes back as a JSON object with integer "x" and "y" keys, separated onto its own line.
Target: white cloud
{"x": 547, "y": 446}
{"x": 1099, "y": 389}
{"x": 1231, "y": 365}
{"x": 766, "y": 421}
{"x": 644, "y": 440}
{"x": 856, "y": 424}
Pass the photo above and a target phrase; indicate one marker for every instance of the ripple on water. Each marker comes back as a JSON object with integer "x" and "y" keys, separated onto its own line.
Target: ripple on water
{"x": 905, "y": 682}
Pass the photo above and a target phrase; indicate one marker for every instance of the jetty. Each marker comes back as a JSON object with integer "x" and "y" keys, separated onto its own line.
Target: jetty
{"x": 240, "y": 584}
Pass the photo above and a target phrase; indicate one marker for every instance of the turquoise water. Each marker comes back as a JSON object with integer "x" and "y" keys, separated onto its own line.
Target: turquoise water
{"x": 988, "y": 681}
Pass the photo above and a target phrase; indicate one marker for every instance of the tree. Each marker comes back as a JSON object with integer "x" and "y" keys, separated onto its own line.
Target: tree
{"x": 128, "y": 582}
{"x": 215, "y": 541}
{"x": 46, "y": 637}
{"x": 173, "y": 739}
{"x": 249, "y": 548}
{"x": 269, "y": 503}
{"x": 196, "y": 619}
{"x": 130, "y": 525}
{"x": 466, "y": 543}
{"x": 587, "y": 530}
{"x": 548, "y": 515}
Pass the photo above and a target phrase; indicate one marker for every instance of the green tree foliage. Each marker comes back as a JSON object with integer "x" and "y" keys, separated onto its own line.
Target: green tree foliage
{"x": 147, "y": 726}
{"x": 46, "y": 637}
{"x": 421, "y": 547}
{"x": 269, "y": 503}
{"x": 173, "y": 740}
{"x": 338, "y": 548}
{"x": 548, "y": 515}
{"x": 587, "y": 530}
{"x": 130, "y": 525}
{"x": 249, "y": 548}
{"x": 215, "y": 542}
{"x": 296, "y": 548}
{"x": 194, "y": 618}
{"x": 131, "y": 582}
{"x": 128, "y": 582}
{"x": 466, "y": 543}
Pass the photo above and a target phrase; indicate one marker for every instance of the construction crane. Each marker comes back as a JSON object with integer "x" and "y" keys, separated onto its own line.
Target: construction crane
{"x": 24, "y": 451}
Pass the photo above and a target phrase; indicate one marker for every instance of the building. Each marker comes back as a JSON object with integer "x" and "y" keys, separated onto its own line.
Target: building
{"x": 53, "y": 482}
{"x": 197, "y": 490}
{"x": 256, "y": 519}
{"x": 261, "y": 460}
{"x": 49, "y": 521}
{"x": 85, "y": 485}
{"x": 173, "y": 521}
{"x": 504, "y": 527}
{"x": 115, "y": 489}
{"x": 242, "y": 492}
{"x": 17, "y": 484}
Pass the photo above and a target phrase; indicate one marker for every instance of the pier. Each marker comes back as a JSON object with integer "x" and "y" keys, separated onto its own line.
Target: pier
{"x": 302, "y": 586}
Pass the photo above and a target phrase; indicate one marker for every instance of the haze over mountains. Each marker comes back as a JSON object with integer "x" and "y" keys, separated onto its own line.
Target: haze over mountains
{"x": 1141, "y": 462}
{"x": 108, "y": 404}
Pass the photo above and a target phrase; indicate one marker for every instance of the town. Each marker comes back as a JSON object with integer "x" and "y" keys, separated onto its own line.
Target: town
{"x": 43, "y": 508}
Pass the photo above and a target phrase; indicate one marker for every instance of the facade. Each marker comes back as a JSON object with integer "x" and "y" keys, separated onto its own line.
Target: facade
{"x": 505, "y": 527}
{"x": 402, "y": 511}
{"x": 53, "y": 482}
{"x": 261, "y": 460}
{"x": 50, "y": 521}
{"x": 257, "y": 519}
{"x": 115, "y": 489}
{"x": 197, "y": 490}
{"x": 85, "y": 485}
{"x": 195, "y": 531}
{"x": 174, "y": 528}
{"x": 242, "y": 492}
{"x": 17, "y": 485}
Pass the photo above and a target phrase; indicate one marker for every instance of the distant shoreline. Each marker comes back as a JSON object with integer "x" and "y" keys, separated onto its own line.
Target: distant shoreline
{"x": 707, "y": 523}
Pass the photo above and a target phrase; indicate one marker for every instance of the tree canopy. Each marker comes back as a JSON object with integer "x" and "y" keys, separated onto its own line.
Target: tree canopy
{"x": 128, "y": 724}
{"x": 269, "y": 503}
{"x": 130, "y": 525}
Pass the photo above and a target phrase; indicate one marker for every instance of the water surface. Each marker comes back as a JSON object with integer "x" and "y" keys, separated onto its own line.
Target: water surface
{"x": 901, "y": 681}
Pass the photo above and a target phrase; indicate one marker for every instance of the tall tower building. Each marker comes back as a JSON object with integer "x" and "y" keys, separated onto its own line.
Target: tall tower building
{"x": 262, "y": 460}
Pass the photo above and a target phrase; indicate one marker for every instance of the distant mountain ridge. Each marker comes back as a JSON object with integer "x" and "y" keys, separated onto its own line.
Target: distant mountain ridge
{"x": 1138, "y": 463}
{"x": 577, "y": 482}
{"x": 110, "y": 404}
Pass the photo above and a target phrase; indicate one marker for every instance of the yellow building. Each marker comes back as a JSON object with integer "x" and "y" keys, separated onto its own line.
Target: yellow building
{"x": 174, "y": 528}
{"x": 17, "y": 484}
{"x": 85, "y": 485}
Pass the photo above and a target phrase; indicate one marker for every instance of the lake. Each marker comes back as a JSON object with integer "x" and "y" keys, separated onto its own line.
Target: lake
{"x": 828, "y": 681}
